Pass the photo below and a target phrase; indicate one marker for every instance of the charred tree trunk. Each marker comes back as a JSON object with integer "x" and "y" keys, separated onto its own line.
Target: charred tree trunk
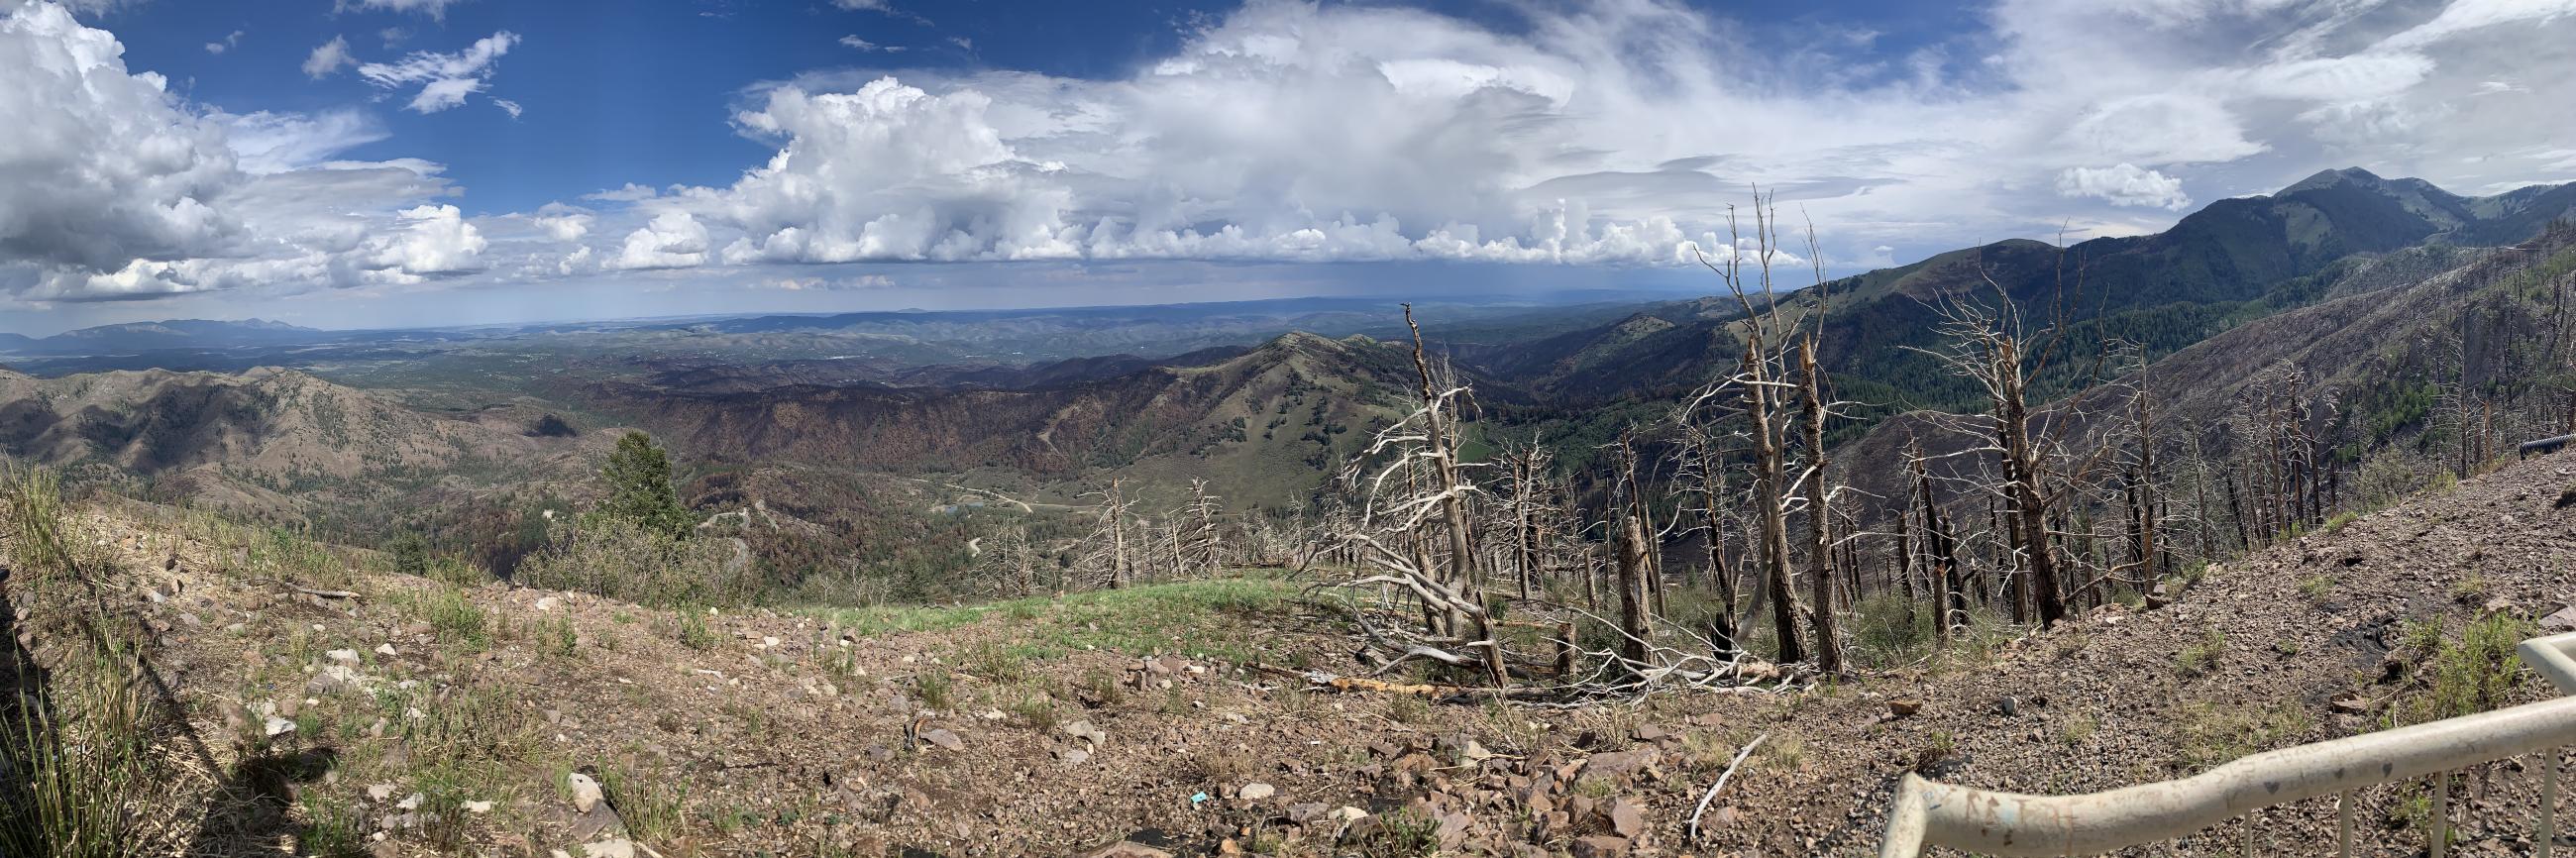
{"x": 1632, "y": 592}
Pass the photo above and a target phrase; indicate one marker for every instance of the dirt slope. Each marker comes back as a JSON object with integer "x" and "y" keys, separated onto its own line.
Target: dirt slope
{"x": 953, "y": 731}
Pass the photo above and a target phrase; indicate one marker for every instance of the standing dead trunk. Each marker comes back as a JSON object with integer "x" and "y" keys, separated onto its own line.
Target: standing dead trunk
{"x": 1767, "y": 494}
{"x": 1119, "y": 568}
{"x": 1941, "y": 553}
{"x": 1712, "y": 491}
{"x": 1461, "y": 575}
{"x": 1820, "y": 573}
{"x": 1632, "y": 592}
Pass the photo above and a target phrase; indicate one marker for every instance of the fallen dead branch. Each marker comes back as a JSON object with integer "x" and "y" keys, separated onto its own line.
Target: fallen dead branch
{"x": 326, "y": 594}
{"x": 1722, "y": 777}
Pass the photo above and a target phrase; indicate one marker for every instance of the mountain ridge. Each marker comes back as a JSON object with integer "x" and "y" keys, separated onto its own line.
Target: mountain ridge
{"x": 2228, "y": 257}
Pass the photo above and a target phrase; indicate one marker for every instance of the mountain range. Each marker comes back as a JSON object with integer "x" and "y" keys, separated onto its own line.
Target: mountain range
{"x": 1265, "y": 413}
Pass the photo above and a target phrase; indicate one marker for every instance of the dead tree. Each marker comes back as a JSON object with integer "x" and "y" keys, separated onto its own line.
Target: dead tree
{"x": 1418, "y": 453}
{"x": 1820, "y": 561}
{"x": 1701, "y": 474}
{"x": 1940, "y": 550}
{"x": 1758, "y": 388}
{"x": 1109, "y": 535}
{"x": 1633, "y": 632}
{"x": 1527, "y": 510}
{"x": 1202, "y": 549}
{"x": 1993, "y": 348}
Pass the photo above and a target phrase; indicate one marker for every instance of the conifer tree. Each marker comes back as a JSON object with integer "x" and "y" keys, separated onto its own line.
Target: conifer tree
{"x": 639, "y": 487}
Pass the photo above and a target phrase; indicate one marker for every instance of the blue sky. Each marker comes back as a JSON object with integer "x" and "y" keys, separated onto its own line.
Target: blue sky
{"x": 616, "y": 91}
{"x": 387, "y": 162}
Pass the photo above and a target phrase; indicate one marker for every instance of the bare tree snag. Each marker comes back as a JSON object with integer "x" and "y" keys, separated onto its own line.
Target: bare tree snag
{"x": 1820, "y": 577}
{"x": 1632, "y": 592}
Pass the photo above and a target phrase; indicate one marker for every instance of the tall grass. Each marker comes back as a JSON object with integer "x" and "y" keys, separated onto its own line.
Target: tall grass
{"x": 74, "y": 752}
{"x": 38, "y": 521}
{"x": 77, "y": 769}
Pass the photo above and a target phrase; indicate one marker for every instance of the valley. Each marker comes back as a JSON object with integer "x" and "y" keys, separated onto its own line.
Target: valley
{"x": 1294, "y": 578}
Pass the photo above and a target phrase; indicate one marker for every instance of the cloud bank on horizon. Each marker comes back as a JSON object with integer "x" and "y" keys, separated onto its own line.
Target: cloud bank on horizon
{"x": 1596, "y": 133}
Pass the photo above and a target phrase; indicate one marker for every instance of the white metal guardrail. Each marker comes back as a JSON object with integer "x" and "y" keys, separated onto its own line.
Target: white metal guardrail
{"x": 1928, "y": 813}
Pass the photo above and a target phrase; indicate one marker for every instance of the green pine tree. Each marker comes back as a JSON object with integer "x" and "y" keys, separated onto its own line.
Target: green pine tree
{"x": 410, "y": 553}
{"x": 639, "y": 487}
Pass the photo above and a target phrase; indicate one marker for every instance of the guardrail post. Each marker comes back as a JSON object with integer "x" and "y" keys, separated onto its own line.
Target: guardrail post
{"x": 2545, "y": 839}
{"x": 2343, "y": 824}
{"x": 2441, "y": 815}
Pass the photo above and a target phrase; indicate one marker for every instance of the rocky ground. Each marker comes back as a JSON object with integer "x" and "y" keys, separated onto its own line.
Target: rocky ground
{"x": 399, "y": 715}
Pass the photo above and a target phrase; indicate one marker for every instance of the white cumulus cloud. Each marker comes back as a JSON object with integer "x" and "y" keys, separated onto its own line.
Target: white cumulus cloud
{"x": 2124, "y": 185}
{"x": 672, "y": 240}
{"x": 429, "y": 240}
{"x": 102, "y": 165}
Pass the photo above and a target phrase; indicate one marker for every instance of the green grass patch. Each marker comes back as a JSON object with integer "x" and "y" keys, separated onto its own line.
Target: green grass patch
{"x": 1196, "y": 618}
{"x": 2209, "y": 734}
{"x": 457, "y": 619}
{"x": 2202, "y": 656}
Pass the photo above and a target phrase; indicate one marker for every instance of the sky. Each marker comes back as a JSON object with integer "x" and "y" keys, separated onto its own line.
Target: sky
{"x": 394, "y": 163}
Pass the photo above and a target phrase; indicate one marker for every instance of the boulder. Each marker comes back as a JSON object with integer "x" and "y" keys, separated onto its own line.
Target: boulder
{"x": 1626, "y": 819}
{"x": 585, "y": 792}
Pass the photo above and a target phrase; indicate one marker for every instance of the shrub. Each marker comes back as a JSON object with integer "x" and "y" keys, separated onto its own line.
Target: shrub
{"x": 457, "y": 572}
{"x": 994, "y": 662}
{"x": 2480, "y": 670}
{"x": 1889, "y": 629}
{"x": 936, "y": 689}
{"x": 410, "y": 553}
{"x": 622, "y": 560}
{"x": 1406, "y": 708}
{"x": 1104, "y": 687}
{"x": 651, "y": 809}
{"x": 561, "y": 638}
{"x": 692, "y": 628}
{"x": 1400, "y": 833}
{"x": 458, "y": 619}
{"x": 1035, "y": 710}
